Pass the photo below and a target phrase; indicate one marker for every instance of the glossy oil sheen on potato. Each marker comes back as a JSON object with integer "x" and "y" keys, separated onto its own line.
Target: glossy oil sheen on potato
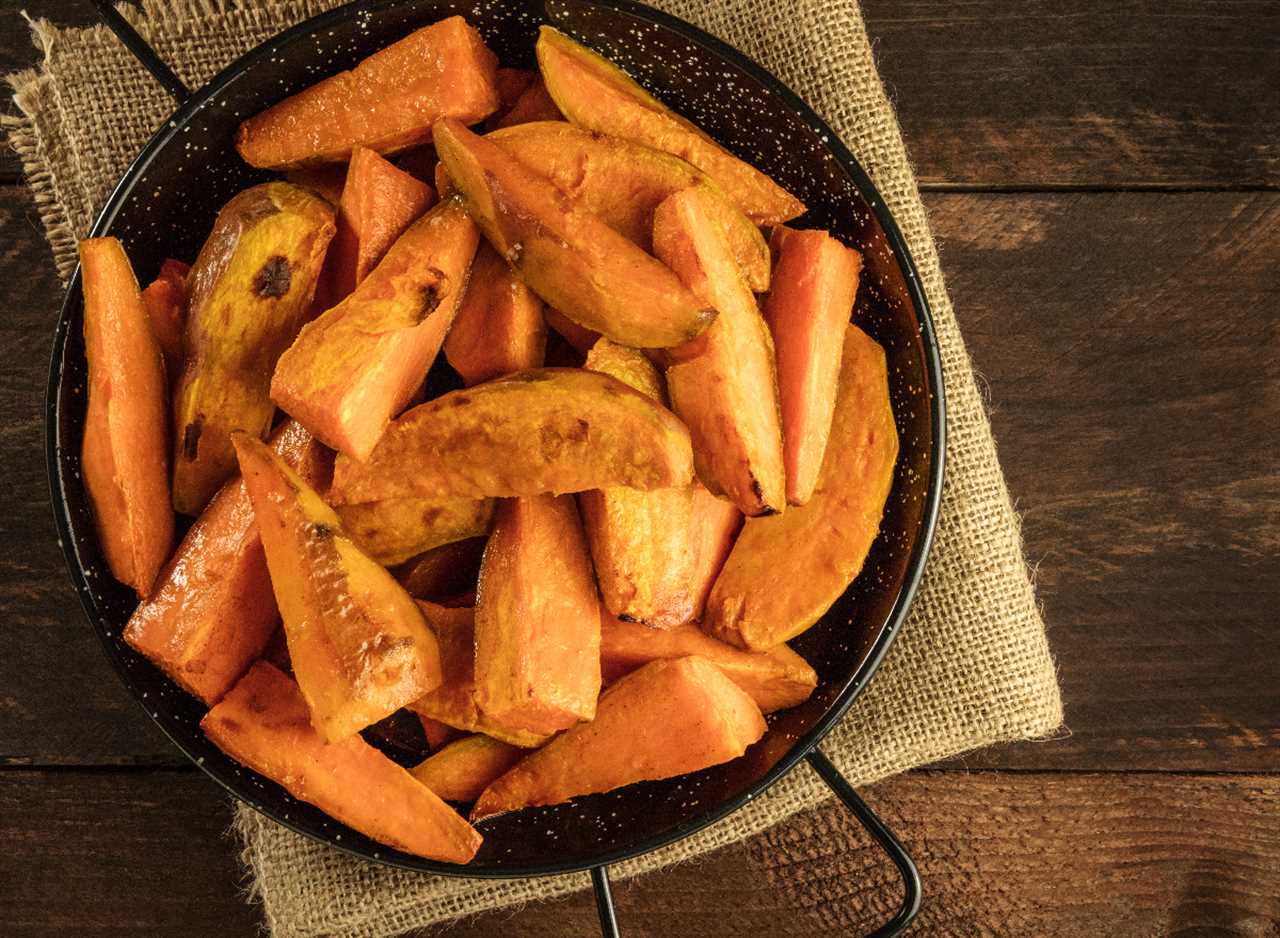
{"x": 785, "y": 572}
{"x": 359, "y": 646}
{"x": 465, "y": 767}
{"x": 395, "y": 529}
{"x": 546, "y": 430}
{"x": 251, "y": 290}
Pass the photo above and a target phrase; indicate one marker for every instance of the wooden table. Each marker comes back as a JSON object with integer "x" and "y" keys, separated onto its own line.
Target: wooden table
{"x": 1105, "y": 187}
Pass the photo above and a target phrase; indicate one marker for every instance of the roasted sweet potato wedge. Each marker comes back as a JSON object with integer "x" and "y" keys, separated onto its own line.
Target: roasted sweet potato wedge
{"x": 124, "y": 455}
{"x": 667, "y": 718}
{"x": 454, "y": 702}
{"x": 464, "y": 768}
{"x": 723, "y": 386}
{"x": 212, "y": 611}
{"x": 166, "y": 302}
{"x": 588, "y": 431}
{"x": 443, "y": 571}
{"x": 785, "y": 572}
{"x": 438, "y": 734}
{"x": 537, "y": 642}
{"x": 623, "y": 183}
{"x": 640, "y": 542}
{"x": 378, "y": 203}
{"x": 775, "y": 679}
{"x": 807, "y": 312}
{"x": 395, "y": 529}
{"x": 713, "y": 528}
{"x": 354, "y": 368}
{"x": 499, "y": 329}
{"x": 534, "y": 104}
{"x": 594, "y": 93}
{"x": 251, "y": 290}
{"x": 359, "y": 646}
{"x": 511, "y": 84}
{"x": 325, "y": 181}
{"x": 570, "y": 258}
{"x": 580, "y": 337}
{"x": 387, "y": 103}
{"x": 264, "y": 724}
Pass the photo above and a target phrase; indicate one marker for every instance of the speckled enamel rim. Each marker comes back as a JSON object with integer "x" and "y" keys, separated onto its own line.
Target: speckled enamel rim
{"x": 915, "y": 565}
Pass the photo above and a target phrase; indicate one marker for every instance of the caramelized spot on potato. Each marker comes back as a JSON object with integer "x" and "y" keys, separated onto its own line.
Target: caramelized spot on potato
{"x": 274, "y": 278}
{"x": 191, "y": 437}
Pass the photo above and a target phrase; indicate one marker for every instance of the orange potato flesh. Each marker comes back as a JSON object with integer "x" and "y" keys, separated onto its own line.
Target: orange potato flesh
{"x": 570, "y": 258}
{"x": 545, "y": 430}
{"x": 499, "y": 328}
{"x": 387, "y": 103}
{"x": 438, "y": 734}
{"x": 640, "y": 541}
{"x": 124, "y": 457}
{"x": 580, "y": 337}
{"x": 212, "y": 612}
{"x": 251, "y": 290}
{"x": 534, "y": 104}
{"x": 166, "y": 302}
{"x": 356, "y": 367}
{"x": 594, "y": 93}
{"x": 668, "y": 718}
{"x": 511, "y": 84}
{"x": 784, "y": 572}
{"x": 359, "y": 646}
{"x": 712, "y": 530}
{"x": 537, "y": 632}
{"x": 454, "y": 703}
{"x": 443, "y": 571}
{"x": 807, "y": 312}
{"x": 723, "y": 386}
{"x": 378, "y": 203}
{"x": 395, "y": 529}
{"x": 623, "y": 183}
{"x": 264, "y": 724}
{"x": 464, "y": 768}
{"x": 325, "y": 181}
{"x": 775, "y": 679}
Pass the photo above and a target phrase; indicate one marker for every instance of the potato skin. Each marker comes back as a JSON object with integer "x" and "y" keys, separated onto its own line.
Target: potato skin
{"x": 462, "y": 769}
{"x": 784, "y": 572}
{"x": 393, "y": 530}
{"x": 251, "y": 290}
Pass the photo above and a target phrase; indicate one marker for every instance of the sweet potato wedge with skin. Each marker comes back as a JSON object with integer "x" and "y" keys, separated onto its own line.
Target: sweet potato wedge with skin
{"x": 784, "y": 573}
{"x": 537, "y": 641}
{"x": 534, "y": 104}
{"x": 395, "y": 529}
{"x": 570, "y": 258}
{"x": 454, "y": 702}
{"x": 580, "y": 337}
{"x": 594, "y": 93}
{"x": 166, "y": 301}
{"x": 723, "y": 386}
{"x": 465, "y": 767}
{"x": 499, "y": 328}
{"x": 378, "y": 203}
{"x": 443, "y": 571}
{"x": 264, "y": 724}
{"x": 359, "y": 646}
{"x": 640, "y": 543}
{"x": 623, "y": 183}
{"x": 775, "y": 679}
{"x": 713, "y": 529}
{"x": 667, "y": 718}
{"x": 808, "y": 312}
{"x": 325, "y": 181}
{"x": 251, "y": 290}
{"x": 387, "y": 103}
{"x": 356, "y": 367}
{"x": 124, "y": 454}
{"x": 212, "y": 611}
{"x": 545, "y": 430}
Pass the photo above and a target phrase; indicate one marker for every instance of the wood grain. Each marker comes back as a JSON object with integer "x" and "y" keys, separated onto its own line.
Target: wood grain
{"x": 1001, "y": 854}
{"x": 1010, "y": 95}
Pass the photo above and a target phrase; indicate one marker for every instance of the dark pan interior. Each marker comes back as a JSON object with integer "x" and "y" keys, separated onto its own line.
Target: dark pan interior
{"x": 165, "y": 207}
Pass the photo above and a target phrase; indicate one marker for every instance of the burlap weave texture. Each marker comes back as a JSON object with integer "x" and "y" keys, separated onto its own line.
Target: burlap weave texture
{"x": 971, "y": 666}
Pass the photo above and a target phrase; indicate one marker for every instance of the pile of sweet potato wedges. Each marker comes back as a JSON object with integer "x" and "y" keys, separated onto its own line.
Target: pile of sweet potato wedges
{"x": 693, "y": 484}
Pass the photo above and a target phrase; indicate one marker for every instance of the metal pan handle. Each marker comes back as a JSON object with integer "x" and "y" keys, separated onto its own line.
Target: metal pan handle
{"x": 870, "y": 822}
{"x": 141, "y": 50}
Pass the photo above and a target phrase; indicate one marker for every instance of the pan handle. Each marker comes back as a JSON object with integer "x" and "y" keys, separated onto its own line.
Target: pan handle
{"x": 866, "y": 817}
{"x": 141, "y": 50}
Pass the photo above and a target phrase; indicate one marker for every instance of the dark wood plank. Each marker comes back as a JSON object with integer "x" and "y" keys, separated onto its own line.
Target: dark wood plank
{"x": 1001, "y": 854}
{"x": 1133, "y": 362}
{"x": 994, "y": 94}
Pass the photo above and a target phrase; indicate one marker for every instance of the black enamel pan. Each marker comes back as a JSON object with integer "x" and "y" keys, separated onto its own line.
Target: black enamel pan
{"x": 164, "y": 206}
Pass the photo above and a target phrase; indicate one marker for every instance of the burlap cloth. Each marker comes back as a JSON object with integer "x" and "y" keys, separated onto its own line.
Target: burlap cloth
{"x": 971, "y": 666}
